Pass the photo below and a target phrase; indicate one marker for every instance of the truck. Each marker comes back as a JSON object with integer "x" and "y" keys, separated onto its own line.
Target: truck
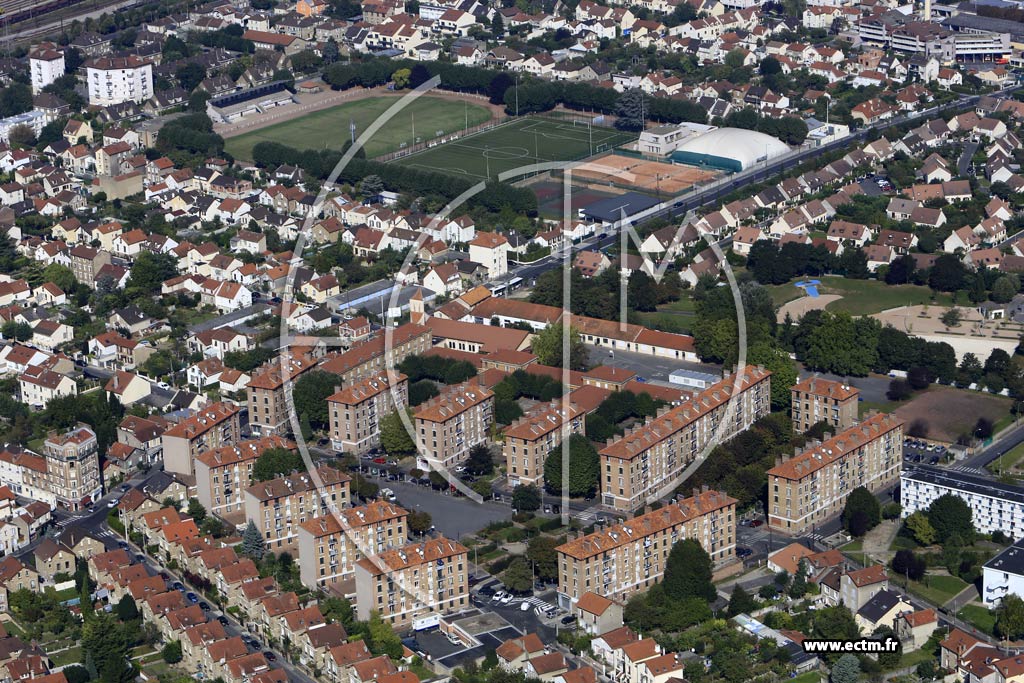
{"x": 423, "y": 623}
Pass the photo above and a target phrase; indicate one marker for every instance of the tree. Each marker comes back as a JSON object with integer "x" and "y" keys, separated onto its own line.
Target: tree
{"x": 190, "y": 75}
{"x": 846, "y": 670}
{"x": 920, "y": 528}
{"x": 541, "y": 551}
{"x": 584, "y": 468}
{"x": 952, "y": 317}
{"x": 310, "y": 394}
{"x": 526, "y": 498}
{"x": 394, "y": 437}
{"x": 22, "y": 135}
{"x": 906, "y": 563}
{"x": 951, "y": 516}
{"x": 919, "y": 378}
{"x": 899, "y": 390}
{"x": 741, "y": 602}
{"x": 371, "y": 185}
{"x": 518, "y": 576}
{"x": 401, "y": 79}
{"x": 383, "y": 639}
{"x": 769, "y": 66}
{"x": 548, "y": 346}
{"x": 688, "y": 572}
{"x": 16, "y": 330}
{"x": 252, "y": 541}
{"x": 1005, "y": 288}
{"x": 480, "y": 462}
{"x": 499, "y": 85}
{"x": 275, "y": 462}
{"x": 419, "y": 522}
{"x": 172, "y": 652}
{"x": 105, "y": 649}
{"x": 1010, "y": 617}
{"x": 150, "y": 270}
{"x": 127, "y": 610}
{"x": 862, "y": 510}
{"x": 630, "y": 110}
{"x": 196, "y": 510}
{"x": 798, "y": 587}
{"x": 497, "y": 26}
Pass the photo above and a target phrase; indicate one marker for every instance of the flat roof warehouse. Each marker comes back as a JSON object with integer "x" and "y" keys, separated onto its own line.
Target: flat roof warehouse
{"x": 615, "y": 209}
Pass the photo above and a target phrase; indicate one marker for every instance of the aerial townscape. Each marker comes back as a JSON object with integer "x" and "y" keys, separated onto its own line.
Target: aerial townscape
{"x": 511, "y": 341}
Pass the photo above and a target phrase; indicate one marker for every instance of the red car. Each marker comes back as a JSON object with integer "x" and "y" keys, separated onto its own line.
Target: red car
{"x": 756, "y": 523}
{"x": 380, "y": 461}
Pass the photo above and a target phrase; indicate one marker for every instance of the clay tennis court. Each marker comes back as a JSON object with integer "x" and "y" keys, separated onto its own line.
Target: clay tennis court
{"x": 650, "y": 175}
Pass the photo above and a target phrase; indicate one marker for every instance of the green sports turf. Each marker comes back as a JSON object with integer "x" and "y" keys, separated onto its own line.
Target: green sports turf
{"x": 329, "y": 128}
{"x": 515, "y": 145}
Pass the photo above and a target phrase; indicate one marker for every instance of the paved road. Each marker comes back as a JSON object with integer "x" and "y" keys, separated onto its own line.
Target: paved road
{"x": 1010, "y": 438}
{"x": 970, "y": 147}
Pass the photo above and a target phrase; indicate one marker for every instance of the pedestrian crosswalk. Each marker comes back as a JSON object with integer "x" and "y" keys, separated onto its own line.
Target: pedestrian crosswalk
{"x": 967, "y": 470}
{"x": 536, "y": 602}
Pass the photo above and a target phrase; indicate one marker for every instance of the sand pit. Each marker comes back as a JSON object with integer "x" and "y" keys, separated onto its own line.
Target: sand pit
{"x": 797, "y": 307}
{"x": 648, "y": 175}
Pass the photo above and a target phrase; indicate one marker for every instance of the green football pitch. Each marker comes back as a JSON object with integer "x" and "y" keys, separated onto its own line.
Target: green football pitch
{"x": 329, "y": 128}
{"x": 517, "y": 145}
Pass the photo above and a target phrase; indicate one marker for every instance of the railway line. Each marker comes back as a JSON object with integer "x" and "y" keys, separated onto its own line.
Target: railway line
{"x": 26, "y": 20}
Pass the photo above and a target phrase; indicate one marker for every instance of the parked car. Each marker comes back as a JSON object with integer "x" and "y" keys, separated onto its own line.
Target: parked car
{"x": 508, "y": 597}
{"x": 743, "y": 552}
{"x": 569, "y": 619}
{"x": 223, "y": 620}
{"x": 205, "y": 606}
{"x": 192, "y": 597}
{"x": 270, "y": 656}
{"x": 178, "y": 586}
{"x": 756, "y": 523}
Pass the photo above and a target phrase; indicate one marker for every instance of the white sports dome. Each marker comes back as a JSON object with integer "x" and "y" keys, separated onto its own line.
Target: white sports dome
{"x": 730, "y": 148}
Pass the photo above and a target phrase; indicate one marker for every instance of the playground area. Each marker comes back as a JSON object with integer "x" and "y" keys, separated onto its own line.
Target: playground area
{"x": 652, "y": 177}
{"x": 972, "y": 335}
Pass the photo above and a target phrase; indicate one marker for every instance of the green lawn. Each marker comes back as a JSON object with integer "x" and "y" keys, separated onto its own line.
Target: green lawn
{"x": 979, "y": 616}
{"x": 329, "y": 128}
{"x": 916, "y": 657}
{"x": 70, "y": 656}
{"x": 938, "y": 589}
{"x": 1008, "y": 460}
{"x": 514, "y": 145}
{"x": 807, "y": 677}
{"x": 862, "y": 297}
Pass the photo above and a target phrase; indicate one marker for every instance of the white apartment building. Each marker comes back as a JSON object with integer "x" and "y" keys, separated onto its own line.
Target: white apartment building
{"x": 1003, "y": 575}
{"x": 46, "y": 67}
{"x": 994, "y": 505}
{"x": 113, "y": 80}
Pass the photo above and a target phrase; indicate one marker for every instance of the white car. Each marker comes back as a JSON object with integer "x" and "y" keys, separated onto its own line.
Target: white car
{"x": 113, "y": 502}
{"x": 498, "y": 597}
{"x": 525, "y": 607}
{"x": 507, "y": 599}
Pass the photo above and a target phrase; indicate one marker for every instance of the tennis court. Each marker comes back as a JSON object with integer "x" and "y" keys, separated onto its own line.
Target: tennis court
{"x": 655, "y": 177}
{"x": 515, "y": 145}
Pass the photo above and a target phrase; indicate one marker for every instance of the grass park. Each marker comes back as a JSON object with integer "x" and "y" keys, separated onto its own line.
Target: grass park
{"x": 862, "y": 297}
{"x": 329, "y": 128}
{"x": 518, "y": 143}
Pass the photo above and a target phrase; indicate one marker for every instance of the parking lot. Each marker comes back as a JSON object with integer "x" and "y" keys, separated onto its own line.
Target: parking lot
{"x": 918, "y": 451}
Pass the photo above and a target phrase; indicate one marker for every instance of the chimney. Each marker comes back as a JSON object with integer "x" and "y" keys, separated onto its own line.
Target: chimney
{"x": 927, "y": 10}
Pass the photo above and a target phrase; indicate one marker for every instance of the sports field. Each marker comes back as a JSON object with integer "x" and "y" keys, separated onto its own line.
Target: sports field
{"x": 515, "y": 145}
{"x": 430, "y": 117}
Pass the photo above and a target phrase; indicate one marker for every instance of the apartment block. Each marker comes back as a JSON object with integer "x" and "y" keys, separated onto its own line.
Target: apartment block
{"x": 73, "y": 467}
{"x": 812, "y": 486}
{"x": 995, "y": 506}
{"x": 817, "y": 400}
{"x": 646, "y": 463}
{"x": 268, "y": 407}
{"x": 448, "y": 425}
{"x": 329, "y": 546}
{"x": 280, "y": 506}
{"x": 223, "y": 474}
{"x": 529, "y": 439}
{"x": 356, "y": 410}
{"x": 212, "y": 427}
{"x": 412, "y": 581}
{"x": 627, "y": 558}
{"x": 113, "y": 80}
{"x": 375, "y": 355}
